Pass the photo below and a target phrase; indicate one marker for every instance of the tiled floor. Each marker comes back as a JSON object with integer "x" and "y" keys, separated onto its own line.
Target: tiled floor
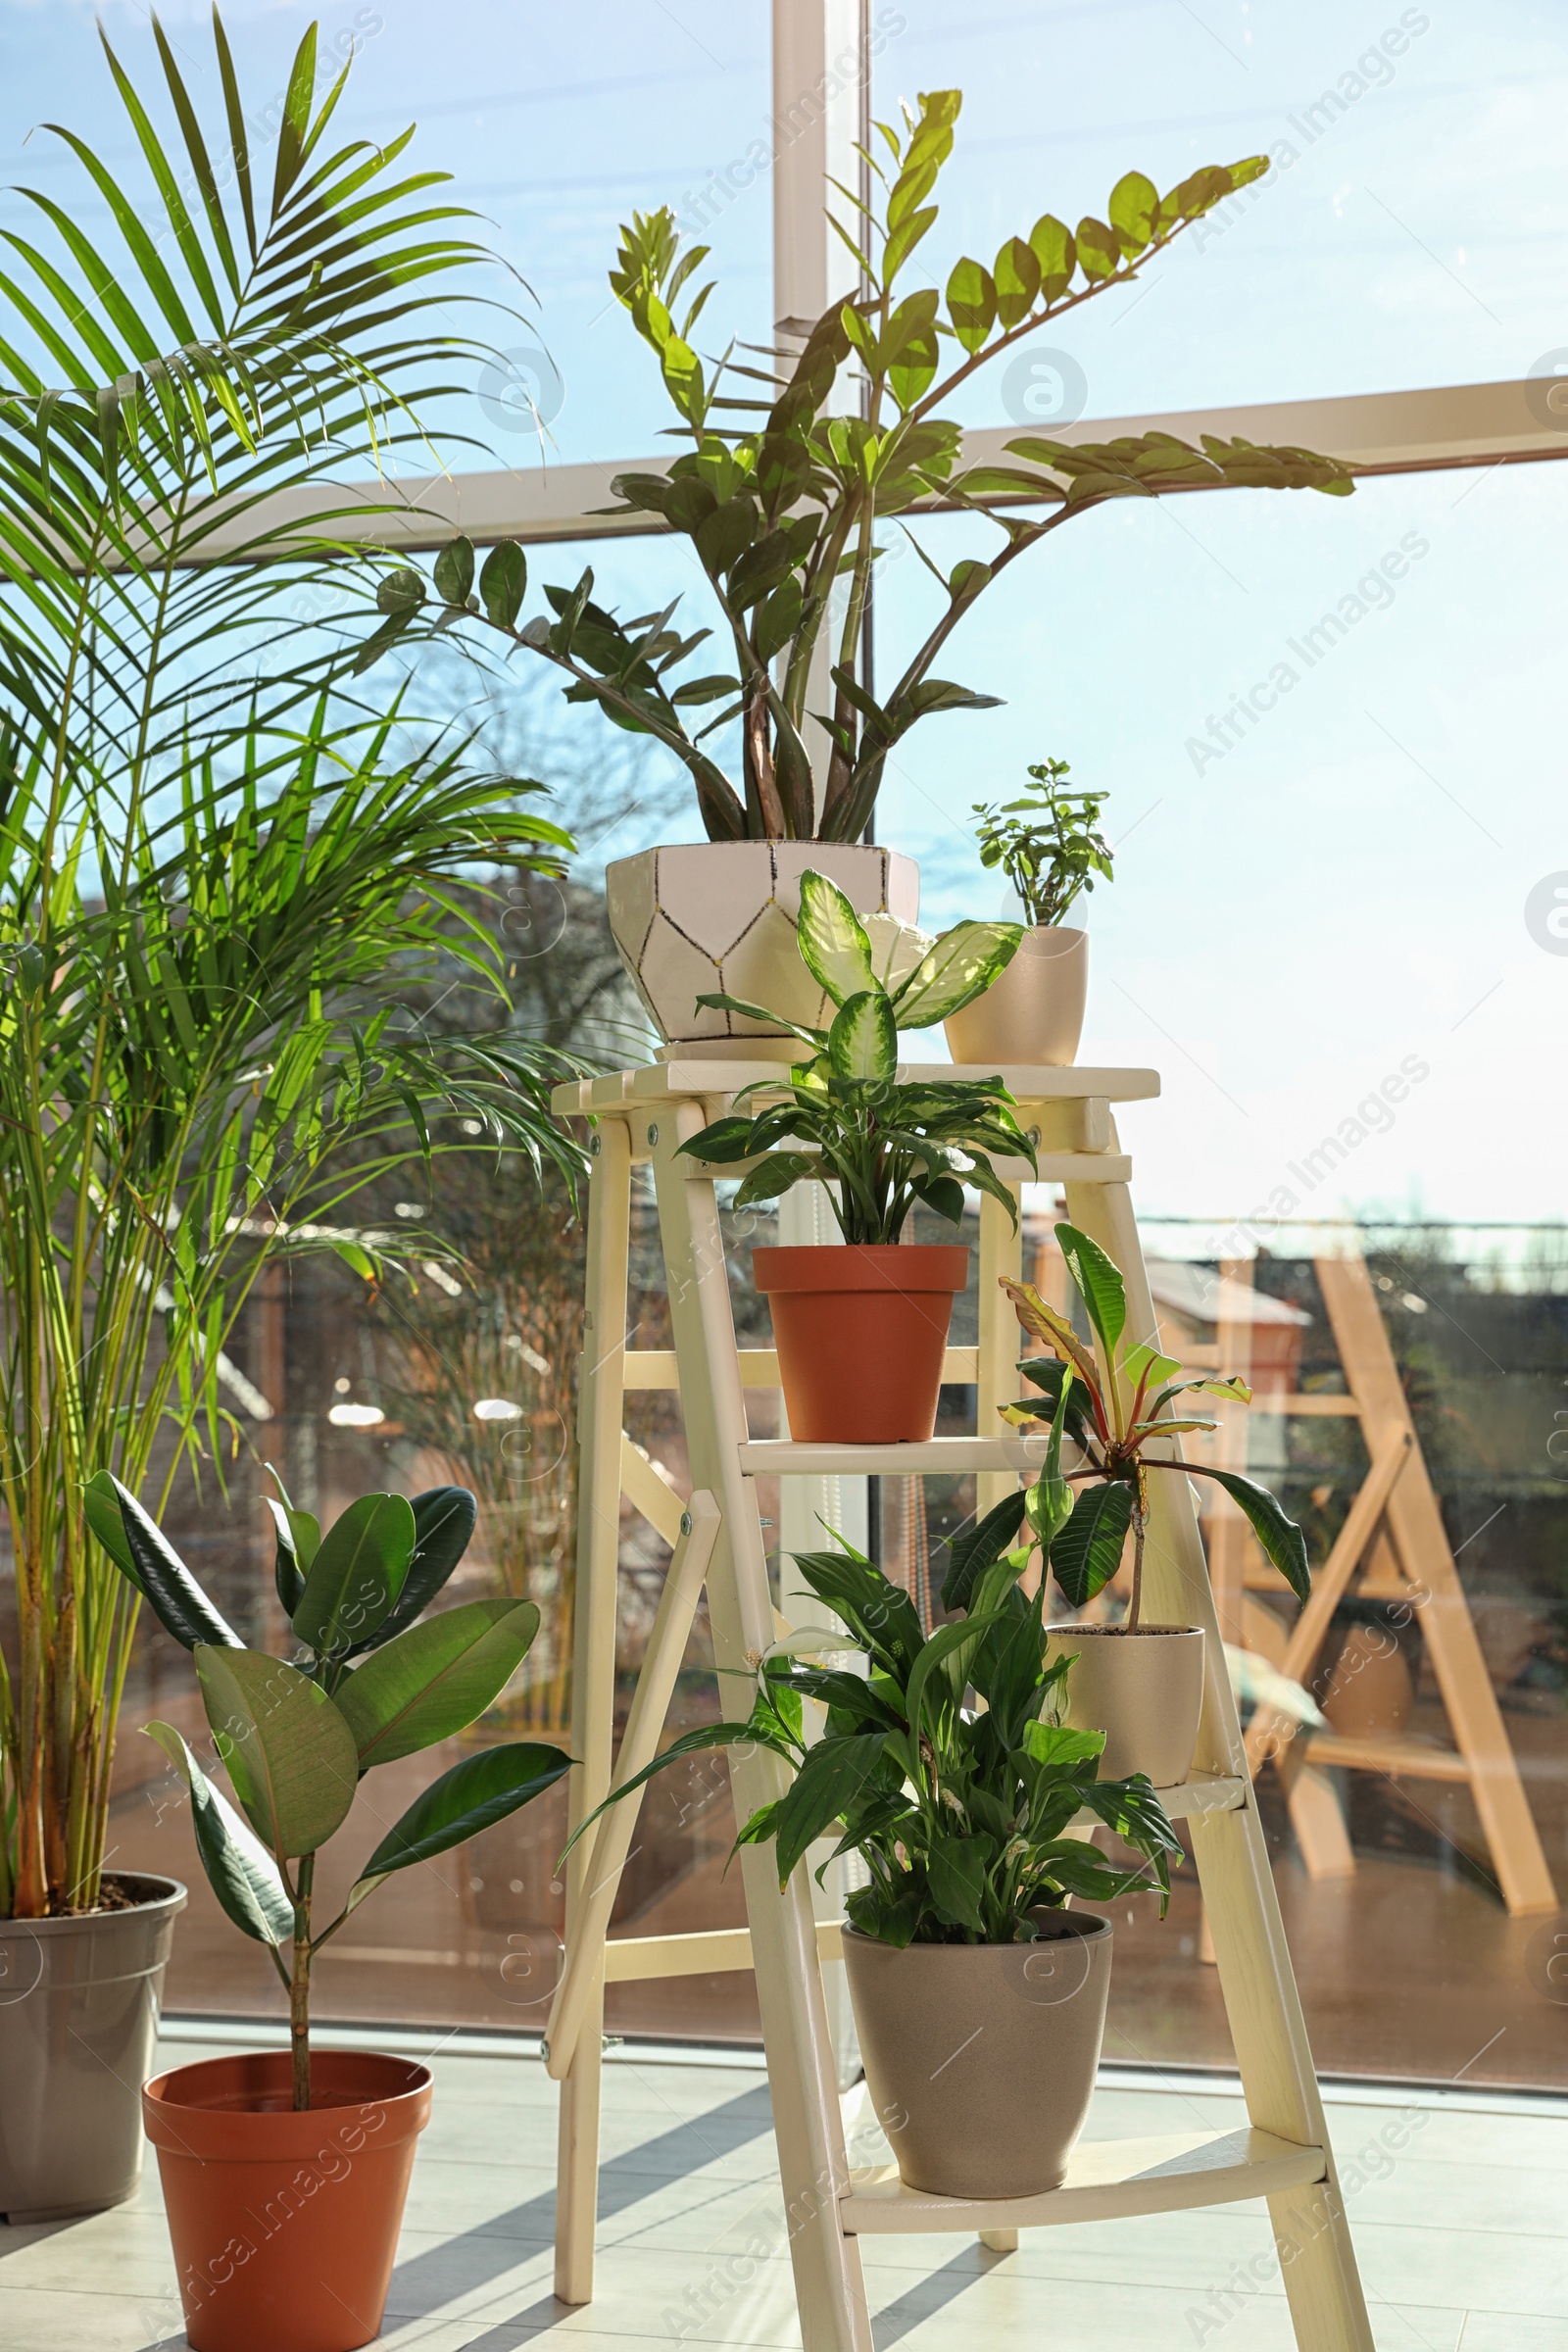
{"x": 1457, "y": 2206}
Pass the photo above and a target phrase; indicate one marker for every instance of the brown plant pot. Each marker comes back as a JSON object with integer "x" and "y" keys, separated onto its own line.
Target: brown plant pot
{"x": 1145, "y": 1690}
{"x": 860, "y": 1333}
{"x": 980, "y": 2057}
{"x": 284, "y": 2226}
{"x": 79, "y": 2017}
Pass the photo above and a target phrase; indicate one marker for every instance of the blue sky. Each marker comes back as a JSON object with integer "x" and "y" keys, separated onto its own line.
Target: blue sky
{"x": 1343, "y": 890}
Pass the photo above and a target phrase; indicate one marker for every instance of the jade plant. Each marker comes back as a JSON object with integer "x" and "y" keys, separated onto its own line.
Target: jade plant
{"x": 780, "y": 499}
{"x": 1047, "y": 842}
{"x": 372, "y": 1680}
{"x": 962, "y": 1812}
{"x": 877, "y": 1144}
{"x": 1080, "y": 1517}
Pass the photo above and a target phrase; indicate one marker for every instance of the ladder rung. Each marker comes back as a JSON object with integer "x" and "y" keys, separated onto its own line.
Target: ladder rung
{"x": 949, "y": 1457}
{"x": 1106, "y": 2179}
{"x": 1385, "y": 1755}
{"x": 656, "y": 1367}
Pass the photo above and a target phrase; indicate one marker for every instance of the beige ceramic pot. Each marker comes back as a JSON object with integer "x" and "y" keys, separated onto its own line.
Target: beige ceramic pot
{"x": 718, "y": 918}
{"x": 1143, "y": 1691}
{"x": 980, "y": 2057}
{"x": 1033, "y": 1011}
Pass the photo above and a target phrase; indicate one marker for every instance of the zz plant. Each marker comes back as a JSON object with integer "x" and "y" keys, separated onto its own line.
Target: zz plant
{"x": 780, "y": 499}
{"x": 1080, "y": 1517}
{"x": 879, "y": 1145}
{"x": 963, "y": 1814}
{"x": 374, "y": 1680}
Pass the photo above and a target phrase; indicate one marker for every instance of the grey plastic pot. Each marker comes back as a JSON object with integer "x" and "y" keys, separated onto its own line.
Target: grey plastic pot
{"x": 79, "y": 2000}
{"x": 980, "y": 2058}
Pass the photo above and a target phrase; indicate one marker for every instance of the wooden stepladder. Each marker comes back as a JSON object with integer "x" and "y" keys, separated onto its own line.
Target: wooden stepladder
{"x": 645, "y": 1116}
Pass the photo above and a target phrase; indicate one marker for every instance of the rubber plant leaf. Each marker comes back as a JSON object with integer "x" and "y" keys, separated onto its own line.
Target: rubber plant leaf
{"x": 294, "y": 1551}
{"x": 180, "y": 1606}
{"x": 287, "y": 1749}
{"x": 833, "y": 940}
{"x": 435, "y": 1679}
{"x": 239, "y": 1869}
{"x": 357, "y": 1574}
{"x": 444, "y": 1519}
{"x": 472, "y": 1796}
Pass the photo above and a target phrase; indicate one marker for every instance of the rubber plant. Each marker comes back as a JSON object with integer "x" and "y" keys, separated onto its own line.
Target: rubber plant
{"x": 1080, "y": 1517}
{"x": 210, "y": 886}
{"x": 878, "y": 1144}
{"x": 375, "y": 1681}
{"x": 780, "y": 499}
{"x": 962, "y": 1813}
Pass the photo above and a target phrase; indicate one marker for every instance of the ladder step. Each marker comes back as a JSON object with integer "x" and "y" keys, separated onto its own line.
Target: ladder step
{"x": 1106, "y": 2179}
{"x": 937, "y": 1457}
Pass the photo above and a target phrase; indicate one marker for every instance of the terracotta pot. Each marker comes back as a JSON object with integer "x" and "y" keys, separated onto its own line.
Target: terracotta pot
{"x": 1033, "y": 1011}
{"x": 284, "y": 2226}
{"x": 1143, "y": 1691}
{"x": 861, "y": 1334}
{"x": 1370, "y": 1692}
{"x": 79, "y": 2017}
{"x": 717, "y": 917}
{"x": 980, "y": 2058}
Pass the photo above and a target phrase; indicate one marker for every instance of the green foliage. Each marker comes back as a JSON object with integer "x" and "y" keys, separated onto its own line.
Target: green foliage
{"x": 1047, "y": 842}
{"x": 963, "y": 1813}
{"x": 297, "y": 1739}
{"x": 780, "y": 497}
{"x": 878, "y": 1146}
{"x": 209, "y": 889}
{"x": 1113, "y": 1419}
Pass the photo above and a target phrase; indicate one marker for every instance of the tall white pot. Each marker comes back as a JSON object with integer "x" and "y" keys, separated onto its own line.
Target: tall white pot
{"x": 719, "y": 918}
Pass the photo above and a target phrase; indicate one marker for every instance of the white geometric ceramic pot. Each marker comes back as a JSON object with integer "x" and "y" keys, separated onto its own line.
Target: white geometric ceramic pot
{"x": 719, "y": 918}
{"x": 1033, "y": 1011}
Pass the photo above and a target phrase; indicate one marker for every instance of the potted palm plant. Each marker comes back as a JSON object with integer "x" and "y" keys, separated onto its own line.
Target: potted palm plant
{"x": 780, "y": 500}
{"x": 1142, "y": 1685}
{"x": 321, "y": 2141}
{"x": 207, "y": 892}
{"x": 862, "y": 1330}
{"x": 979, "y": 1996}
{"x": 1050, "y": 845}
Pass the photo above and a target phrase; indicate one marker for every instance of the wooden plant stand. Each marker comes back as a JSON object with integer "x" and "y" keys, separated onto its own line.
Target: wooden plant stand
{"x": 643, "y": 1116}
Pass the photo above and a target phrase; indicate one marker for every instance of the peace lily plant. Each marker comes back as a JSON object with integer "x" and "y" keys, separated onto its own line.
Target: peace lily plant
{"x": 375, "y": 1681}
{"x": 960, "y": 1806}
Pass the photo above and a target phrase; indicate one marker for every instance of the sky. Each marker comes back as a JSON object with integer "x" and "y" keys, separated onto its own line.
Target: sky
{"x": 1362, "y": 883}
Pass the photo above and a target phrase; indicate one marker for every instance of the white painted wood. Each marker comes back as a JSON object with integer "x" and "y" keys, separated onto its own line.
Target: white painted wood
{"x": 696, "y": 1531}
{"x": 1380, "y": 433}
{"x": 944, "y": 1457}
{"x": 648, "y": 1492}
{"x": 1261, "y": 2002}
{"x": 1106, "y": 2181}
{"x": 1000, "y": 1347}
{"x": 715, "y": 1951}
{"x": 599, "y": 1413}
{"x": 802, "y": 2076}
{"x": 677, "y": 1079}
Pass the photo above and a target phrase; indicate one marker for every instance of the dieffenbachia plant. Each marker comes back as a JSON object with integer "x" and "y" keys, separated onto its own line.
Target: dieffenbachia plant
{"x": 878, "y": 1146}
{"x": 780, "y": 499}
{"x": 1080, "y": 1517}
{"x": 962, "y": 1814}
{"x": 374, "y": 1680}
